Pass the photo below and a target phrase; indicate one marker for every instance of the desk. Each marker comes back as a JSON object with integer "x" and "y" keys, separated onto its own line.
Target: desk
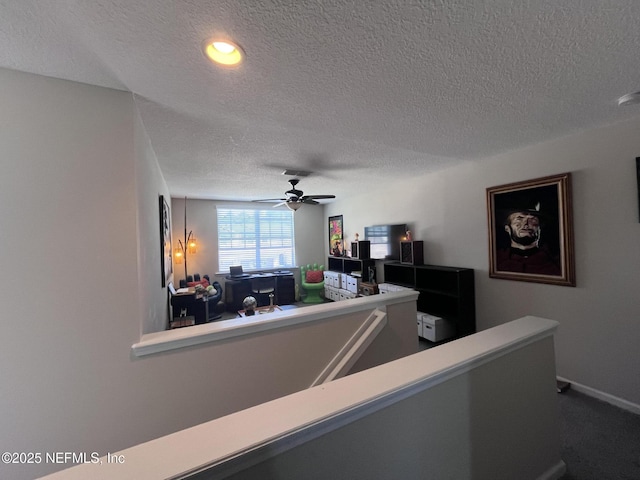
{"x": 237, "y": 289}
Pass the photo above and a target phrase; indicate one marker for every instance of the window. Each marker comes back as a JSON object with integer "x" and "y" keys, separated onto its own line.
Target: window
{"x": 255, "y": 239}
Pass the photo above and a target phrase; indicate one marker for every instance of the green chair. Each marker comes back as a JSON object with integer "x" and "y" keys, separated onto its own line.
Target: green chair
{"x": 312, "y": 283}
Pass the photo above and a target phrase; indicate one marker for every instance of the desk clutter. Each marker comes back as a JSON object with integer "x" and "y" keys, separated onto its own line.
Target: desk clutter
{"x": 260, "y": 310}
{"x": 197, "y": 301}
{"x": 251, "y": 307}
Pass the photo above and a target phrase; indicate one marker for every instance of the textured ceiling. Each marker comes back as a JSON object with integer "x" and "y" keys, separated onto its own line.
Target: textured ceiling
{"x": 355, "y": 91}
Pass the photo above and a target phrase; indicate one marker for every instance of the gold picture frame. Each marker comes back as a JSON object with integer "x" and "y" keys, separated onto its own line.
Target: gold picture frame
{"x": 531, "y": 231}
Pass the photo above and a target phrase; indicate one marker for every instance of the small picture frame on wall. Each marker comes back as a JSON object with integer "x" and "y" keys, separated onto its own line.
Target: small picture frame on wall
{"x": 336, "y": 240}
{"x": 531, "y": 231}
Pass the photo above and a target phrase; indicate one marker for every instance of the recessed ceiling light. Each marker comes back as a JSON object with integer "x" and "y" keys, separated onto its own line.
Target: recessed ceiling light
{"x": 223, "y": 52}
{"x": 629, "y": 99}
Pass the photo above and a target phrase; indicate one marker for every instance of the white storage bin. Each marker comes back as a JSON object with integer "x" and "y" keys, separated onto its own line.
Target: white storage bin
{"x": 332, "y": 279}
{"x": 345, "y": 294}
{"x": 352, "y": 284}
{"x": 419, "y": 315}
{"x": 436, "y": 329}
{"x": 343, "y": 281}
{"x": 390, "y": 287}
{"x": 331, "y": 293}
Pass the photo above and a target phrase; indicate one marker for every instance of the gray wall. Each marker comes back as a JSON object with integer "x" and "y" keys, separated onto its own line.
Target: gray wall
{"x": 596, "y": 341}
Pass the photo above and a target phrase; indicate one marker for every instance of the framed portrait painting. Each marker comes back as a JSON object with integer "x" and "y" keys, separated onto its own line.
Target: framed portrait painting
{"x": 336, "y": 243}
{"x": 165, "y": 241}
{"x": 531, "y": 231}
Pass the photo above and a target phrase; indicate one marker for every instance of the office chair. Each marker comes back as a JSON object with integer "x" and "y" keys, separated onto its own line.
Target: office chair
{"x": 261, "y": 287}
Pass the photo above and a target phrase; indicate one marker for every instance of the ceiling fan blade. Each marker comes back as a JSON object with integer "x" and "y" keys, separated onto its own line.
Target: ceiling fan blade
{"x": 319, "y": 197}
{"x": 270, "y": 200}
{"x": 308, "y": 201}
{"x": 279, "y": 204}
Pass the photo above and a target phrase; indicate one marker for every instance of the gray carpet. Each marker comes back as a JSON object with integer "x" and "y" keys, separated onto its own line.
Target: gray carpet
{"x": 599, "y": 441}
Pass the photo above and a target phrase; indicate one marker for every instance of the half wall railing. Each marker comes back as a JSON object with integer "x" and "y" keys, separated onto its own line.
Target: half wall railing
{"x": 483, "y": 406}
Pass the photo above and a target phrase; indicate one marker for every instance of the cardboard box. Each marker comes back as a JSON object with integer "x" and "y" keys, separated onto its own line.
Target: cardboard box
{"x": 436, "y": 329}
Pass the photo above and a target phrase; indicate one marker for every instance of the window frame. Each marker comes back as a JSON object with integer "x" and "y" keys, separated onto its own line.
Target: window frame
{"x": 253, "y": 240}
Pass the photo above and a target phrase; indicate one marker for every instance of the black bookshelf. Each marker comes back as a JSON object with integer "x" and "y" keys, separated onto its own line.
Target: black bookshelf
{"x": 349, "y": 265}
{"x": 446, "y": 292}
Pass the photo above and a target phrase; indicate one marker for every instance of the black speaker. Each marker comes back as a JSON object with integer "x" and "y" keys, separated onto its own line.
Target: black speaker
{"x": 364, "y": 250}
{"x": 412, "y": 253}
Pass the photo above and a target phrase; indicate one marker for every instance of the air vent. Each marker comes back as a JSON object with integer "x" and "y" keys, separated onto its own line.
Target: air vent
{"x": 296, "y": 173}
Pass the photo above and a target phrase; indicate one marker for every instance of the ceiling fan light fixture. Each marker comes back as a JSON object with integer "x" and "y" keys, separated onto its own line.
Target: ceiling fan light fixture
{"x": 293, "y": 205}
{"x": 295, "y": 198}
{"x": 223, "y": 52}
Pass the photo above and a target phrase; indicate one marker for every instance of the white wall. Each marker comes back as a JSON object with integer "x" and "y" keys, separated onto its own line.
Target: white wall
{"x": 153, "y": 301}
{"x": 78, "y": 239}
{"x": 596, "y": 341}
{"x": 80, "y": 256}
{"x": 68, "y": 252}
{"x": 80, "y": 251}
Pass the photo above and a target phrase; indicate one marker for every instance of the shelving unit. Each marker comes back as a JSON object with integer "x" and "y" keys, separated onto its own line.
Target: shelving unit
{"x": 349, "y": 265}
{"x": 446, "y": 292}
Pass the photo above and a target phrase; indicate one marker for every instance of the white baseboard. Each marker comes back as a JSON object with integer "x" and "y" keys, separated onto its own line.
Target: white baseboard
{"x": 555, "y": 472}
{"x": 605, "y": 397}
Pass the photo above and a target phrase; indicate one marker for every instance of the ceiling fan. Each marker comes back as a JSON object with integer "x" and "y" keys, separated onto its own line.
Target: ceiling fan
{"x": 295, "y": 198}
